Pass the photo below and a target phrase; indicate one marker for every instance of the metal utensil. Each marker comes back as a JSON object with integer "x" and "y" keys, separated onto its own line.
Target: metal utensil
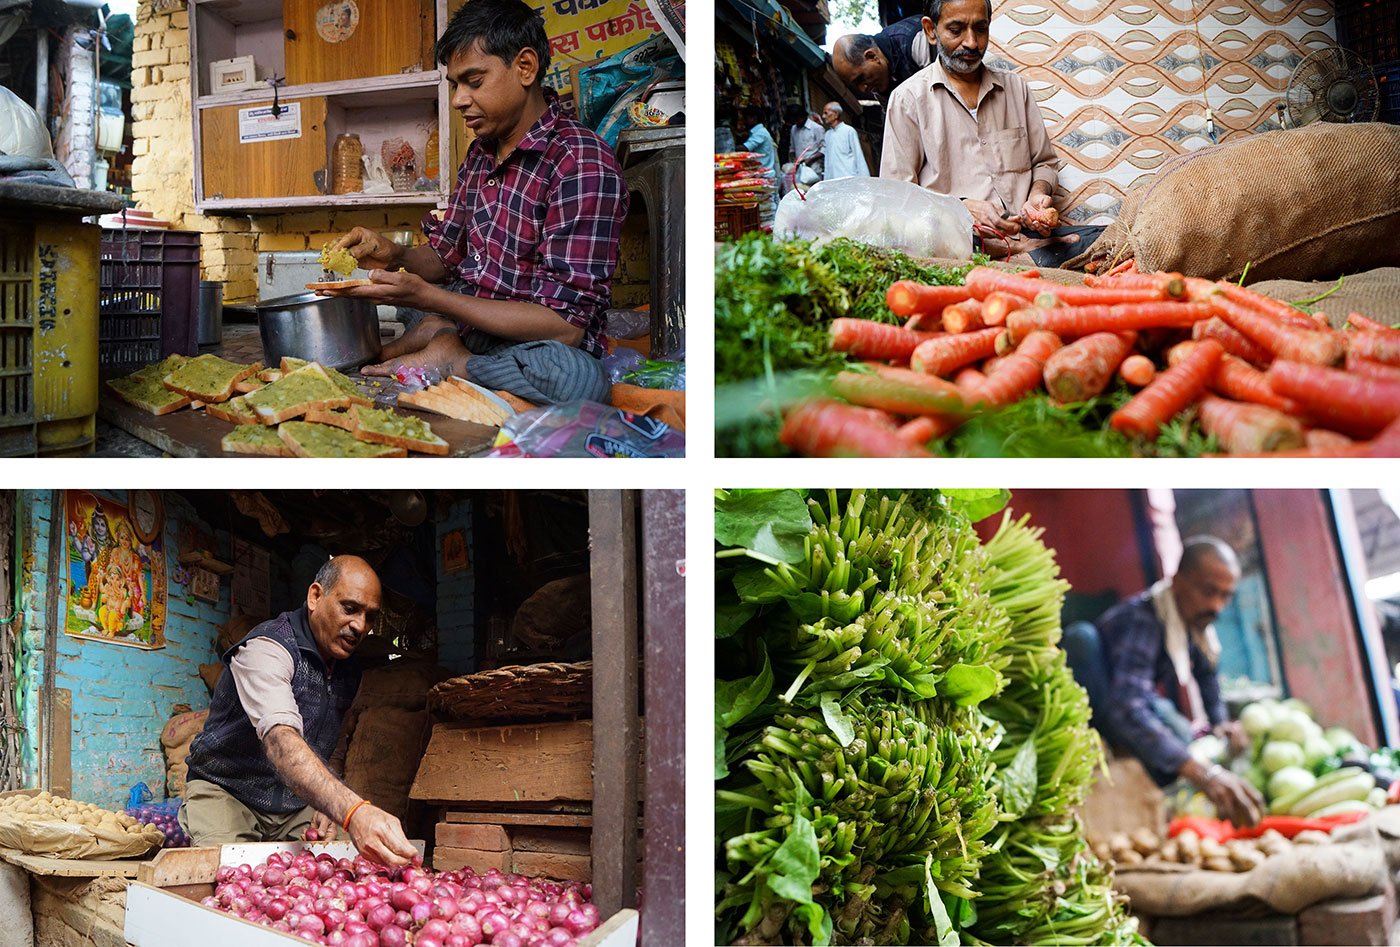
{"x": 336, "y": 331}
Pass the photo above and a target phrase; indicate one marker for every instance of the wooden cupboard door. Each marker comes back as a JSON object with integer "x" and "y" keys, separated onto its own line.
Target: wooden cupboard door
{"x": 281, "y": 167}
{"x": 334, "y": 40}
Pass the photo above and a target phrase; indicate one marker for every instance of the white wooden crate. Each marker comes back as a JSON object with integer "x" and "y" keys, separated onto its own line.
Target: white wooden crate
{"x": 156, "y": 917}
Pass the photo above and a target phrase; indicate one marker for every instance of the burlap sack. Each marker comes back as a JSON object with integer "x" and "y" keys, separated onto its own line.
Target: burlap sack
{"x": 385, "y": 749}
{"x": 1351, "y": 866}
{"x": 1375, "y": 294}
{"x": 1301, "y": 203}
{"x": 404, "y": 684}
{"x": 59, "y": 839}
{"x": 175, "y": 740}
{"x": 553, "y": 613}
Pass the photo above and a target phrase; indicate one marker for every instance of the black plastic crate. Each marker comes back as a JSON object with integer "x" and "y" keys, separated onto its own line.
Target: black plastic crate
{"x": 1370, "y": 28}
{"x": 150, "y": 297}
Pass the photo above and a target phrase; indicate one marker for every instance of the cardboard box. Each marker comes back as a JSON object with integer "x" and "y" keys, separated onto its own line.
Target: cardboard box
{"x": 533, "y": 763}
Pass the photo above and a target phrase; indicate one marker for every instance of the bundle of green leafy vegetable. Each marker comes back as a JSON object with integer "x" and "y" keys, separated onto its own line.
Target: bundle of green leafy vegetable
{"x": 863, "y": 785}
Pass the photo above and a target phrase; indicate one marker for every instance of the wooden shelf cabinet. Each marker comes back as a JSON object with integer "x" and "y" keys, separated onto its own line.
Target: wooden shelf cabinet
{"x": 377, "y": 80}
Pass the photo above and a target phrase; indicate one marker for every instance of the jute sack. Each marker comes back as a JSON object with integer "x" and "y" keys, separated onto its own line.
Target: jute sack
{"x": 1300, "y": 203}
{"x": 1375, "y": 294}
{"x": 60, "y": 839}
{"x": 385, "y": 750}
{"x": 175, "y": 739}
{"x": 1351, "y": 866}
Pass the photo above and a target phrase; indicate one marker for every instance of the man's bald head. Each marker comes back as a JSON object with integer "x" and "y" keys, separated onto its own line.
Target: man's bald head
{"x": 342, "y": 605}
{"x": 1205, "y": 580}
{"x": 1198, "y": 551}
{"x": 857, "y": 59}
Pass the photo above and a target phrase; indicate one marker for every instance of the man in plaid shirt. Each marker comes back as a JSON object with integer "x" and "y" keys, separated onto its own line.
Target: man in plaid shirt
{"x": 1150, "y": 670}
{"x": 511, "y": 288}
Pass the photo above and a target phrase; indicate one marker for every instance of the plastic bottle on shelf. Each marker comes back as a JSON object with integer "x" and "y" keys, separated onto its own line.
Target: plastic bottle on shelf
{"x": 430, "y": 156}
{"x": 347, "y": 172}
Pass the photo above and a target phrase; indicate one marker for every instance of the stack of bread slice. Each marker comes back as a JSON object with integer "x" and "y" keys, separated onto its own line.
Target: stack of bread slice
{"x": 458, "y": 398}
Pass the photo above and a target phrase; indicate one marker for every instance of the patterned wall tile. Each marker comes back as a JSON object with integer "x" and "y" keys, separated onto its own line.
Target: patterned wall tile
{"x": 1124, "y": 87}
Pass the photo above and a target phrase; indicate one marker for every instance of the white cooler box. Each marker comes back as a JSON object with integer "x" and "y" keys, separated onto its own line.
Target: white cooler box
{"x": 286, "y": 273}
{"x": 163, "y": 905}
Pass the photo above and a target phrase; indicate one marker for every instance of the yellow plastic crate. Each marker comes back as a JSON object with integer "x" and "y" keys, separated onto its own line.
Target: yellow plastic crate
{"x": 48, "y": 337}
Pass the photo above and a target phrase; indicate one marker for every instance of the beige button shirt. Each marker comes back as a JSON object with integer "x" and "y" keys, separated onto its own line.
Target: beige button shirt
{"x": 933, "y": 140}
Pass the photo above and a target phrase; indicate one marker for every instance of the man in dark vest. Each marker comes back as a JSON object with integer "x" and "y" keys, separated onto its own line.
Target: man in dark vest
{"x": 258, "y": 772}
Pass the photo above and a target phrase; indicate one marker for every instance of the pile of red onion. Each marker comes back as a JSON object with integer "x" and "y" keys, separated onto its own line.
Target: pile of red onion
{"x": 358, "y": 903}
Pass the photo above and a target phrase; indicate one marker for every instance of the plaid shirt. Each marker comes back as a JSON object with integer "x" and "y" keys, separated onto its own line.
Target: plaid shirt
{"x": 1134, "y": 643}
{"x": 542, "y": 226}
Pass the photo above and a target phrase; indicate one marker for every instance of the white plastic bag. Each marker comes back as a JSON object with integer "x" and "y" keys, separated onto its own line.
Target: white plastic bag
{"x": 21, "y": 131}
{"x": 880, "y": 212}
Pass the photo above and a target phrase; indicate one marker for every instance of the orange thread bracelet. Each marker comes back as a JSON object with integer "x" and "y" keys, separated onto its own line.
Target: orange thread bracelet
{"x": 357, "y": 805}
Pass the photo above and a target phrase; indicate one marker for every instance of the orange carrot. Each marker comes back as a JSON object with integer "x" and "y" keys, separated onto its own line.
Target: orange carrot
{"x": 1126, "y": 266}
{"x": 863, "y": 338}
{"x": 1083, "y": 369}
{"x": 1376, "y": 345}
{"x": 1086, "y": 320}
{"x": 1169, "y": 392}
{"x": 1386, "y": 443}
{"x": 1233, "y": 341}
{"x": 1170, "y": 285}
{"x": 990, "y": 365}
{"x": 921, "y": 430}
{"x": 1283, "y": 313}
{"x": 831, "y": 429}
{"x": 1200, "y": 290}
{"x": 946, "y": 353}
{"x": 908, "y": 298}
{"x": 1137, "y": 370}
{"x": 1356, "y": 405}
{"x": 965, "y": 316}
{"x": 1357, "y": 321}
{"x": 968, "y": 378}
{"x": 899, "y": 391}
{"x": 1237, "y": 379}
{"x": 997, "y": 306}
{"x": 1020, "y": 373}
{"x": 982, "y": 281}
{"x": 1360, "y": 365}
{"x": 1249, "y": 428}
{"x": 1284, "y": 341}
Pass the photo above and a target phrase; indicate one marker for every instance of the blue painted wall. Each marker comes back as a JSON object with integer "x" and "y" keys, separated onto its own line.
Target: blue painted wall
{"x": 122, "y": 696}
{"x": 456, "y": 595}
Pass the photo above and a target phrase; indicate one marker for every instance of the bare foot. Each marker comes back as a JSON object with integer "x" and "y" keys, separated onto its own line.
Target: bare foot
{"x": 416, "y": 338}
{"x": 444, "y": 354}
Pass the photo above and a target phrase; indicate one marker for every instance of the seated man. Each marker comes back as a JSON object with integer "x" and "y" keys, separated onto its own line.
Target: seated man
{"x": 876, "y": 65}
{"x": 1150, "y": 670}
{"x": 963, "y": 129}
{"x": 529, "y": 242}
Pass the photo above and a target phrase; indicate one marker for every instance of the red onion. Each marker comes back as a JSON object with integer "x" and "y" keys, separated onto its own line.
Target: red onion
{"x": 380, "y": 916}
{"x": 362, "y": 939}
{"x": 393, "y": 937}
{"x": 434, "y": 928}
{"x": 402, "y": 897}
{"x": 578, "y": 922}
{"x": 420, "y": 912}
{"x": 444, "y": 908}
{"x": 493, "y": 922}
{"x": 468, "y": 925}
{"x": 507, "y": 939}
{"x": 276, "y": 909}
{"x": 559, "y": 937}
{"x": 458, "y": 940}
{"x": 336, "y": 938}
{"x": 403, "y": 919}
{"x": 313, "y": 924}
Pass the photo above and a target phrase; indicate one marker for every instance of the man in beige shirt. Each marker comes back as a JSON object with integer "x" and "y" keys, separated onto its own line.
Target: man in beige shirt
{"x": 958, "y": 127}
{"x": 258, "y": 771}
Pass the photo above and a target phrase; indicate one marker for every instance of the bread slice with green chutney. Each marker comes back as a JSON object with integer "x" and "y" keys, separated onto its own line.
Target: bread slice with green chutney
{"x": 255, "y": 439}
{"x": 305, "y": 439}
{"x": 144, "y": 389}
{"x": 208, "y": 378}
{"x": 382, "y": 426}
{"x": 307, "y": 388}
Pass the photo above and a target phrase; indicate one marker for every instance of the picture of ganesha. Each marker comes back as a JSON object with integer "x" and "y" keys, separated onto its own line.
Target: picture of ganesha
{"x": 112, "y": 576}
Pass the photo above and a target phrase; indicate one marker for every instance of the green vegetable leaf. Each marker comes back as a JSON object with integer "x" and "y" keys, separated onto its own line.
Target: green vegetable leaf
{"x": 942, "y": 923}
{"x": 773, "y": 523}
{"x": 731, "y": 617}
{"x": 818, "y": 923}
{"x": 756, "y": 587}
{"x": 796, "y": 862}
{"x": 970, "y": 684}
{"x": 721, "y": 741}
{"x": 979, "y": 503}
{"x": 735, "y": 700}
{"x": 836, "y": 719}
{"x": 1019, "y": 781}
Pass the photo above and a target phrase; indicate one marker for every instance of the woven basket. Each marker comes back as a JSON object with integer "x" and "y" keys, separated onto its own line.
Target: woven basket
{"x": 518, "y": 692}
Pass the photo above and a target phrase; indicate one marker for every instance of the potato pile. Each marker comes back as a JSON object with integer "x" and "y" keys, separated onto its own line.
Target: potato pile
{"x": 48, "y": 806}
{"x": 1144, "y": 847}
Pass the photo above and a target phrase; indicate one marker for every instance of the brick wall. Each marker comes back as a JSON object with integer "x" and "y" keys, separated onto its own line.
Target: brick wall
{"x": 456, "y": 599}
{"x": 121, "y": 696}
{"x": 77, "y": 138}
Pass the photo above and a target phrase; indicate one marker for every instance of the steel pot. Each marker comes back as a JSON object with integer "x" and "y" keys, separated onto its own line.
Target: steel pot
{"x": 336, "y": 331}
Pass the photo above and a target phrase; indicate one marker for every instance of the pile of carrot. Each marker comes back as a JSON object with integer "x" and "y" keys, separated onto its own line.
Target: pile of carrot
{"x": 1260, "y": 376}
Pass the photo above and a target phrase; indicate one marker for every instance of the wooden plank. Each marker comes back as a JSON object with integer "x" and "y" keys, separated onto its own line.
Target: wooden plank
{"x": 612, "y": 526}
{"x": 446, "y": 858}
{"x": 61, "y": 779}
{"x": 72, "y": 867}
{"x": 487, "y": 838}
{"x": 559, "y": 841}
{"x": 282, "y": 167}
{"x": 529, "y": 763}
{"x": 188, "y": 433}
{"x": 555, "y": 865}
{"x": 563, "y": 819}
{"x": 664, "y": 645}
{"x": 388, "y": 40}
{"x": 181, "y": 866}
{"x": 53, "y": 594}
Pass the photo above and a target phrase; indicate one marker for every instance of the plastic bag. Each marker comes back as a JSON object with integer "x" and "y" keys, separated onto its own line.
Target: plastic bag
{"x": 163, "y": 815}
{"x": 650, "y": 373}
{"x": 880, "y": 212}
{"x": 586, "y": 429}
{"x": 21, "y": 131}
{"x": 620, "y": 361}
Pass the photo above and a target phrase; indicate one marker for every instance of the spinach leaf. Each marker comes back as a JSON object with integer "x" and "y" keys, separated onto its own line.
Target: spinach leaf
{"x": 773, "y": 523}
{"x": 1019, "y": 781}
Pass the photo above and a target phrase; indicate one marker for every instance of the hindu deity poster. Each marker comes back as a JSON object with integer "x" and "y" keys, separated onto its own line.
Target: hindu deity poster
{"x": 116, "y": 583}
